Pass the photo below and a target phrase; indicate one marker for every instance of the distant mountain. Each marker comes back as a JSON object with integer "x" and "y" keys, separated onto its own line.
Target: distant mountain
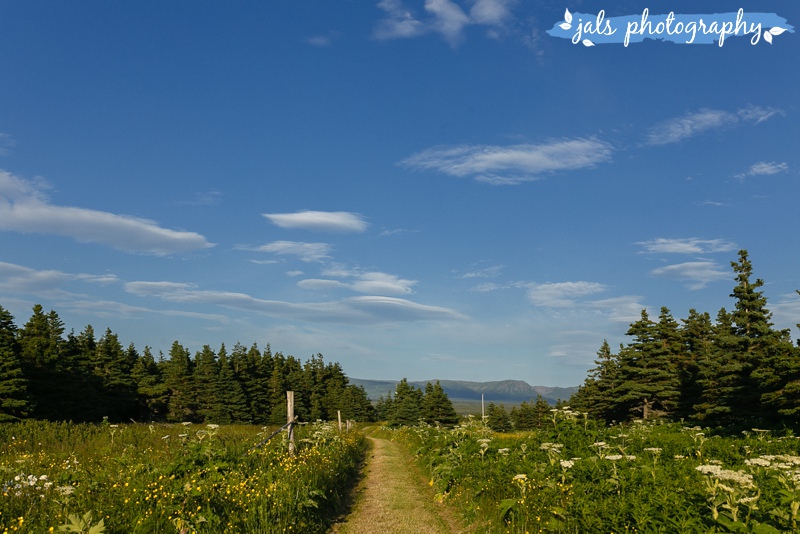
{"x": 508, "y": 392}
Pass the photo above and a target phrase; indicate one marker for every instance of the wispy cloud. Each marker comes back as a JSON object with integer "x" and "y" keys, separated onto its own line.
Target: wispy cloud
{"x": 399, "y": 22}
{"x": 304, "y": 251}
{"x": 704, "y": 120}
{"x": 25, "y": 208}
{"x": 691, "y": 245}
{"x": 764, "y": 168}
{"x": 625, "y": 309}
{"x": 17, "y": 279}
{"x": 355, "y": 310}
{"x": 6, "y": 144}
{"x": 697, "y": 274}
{"x": 368, "y": 282}
{"x": 562, "y": 294}
{"x": 505, "y": 165}
{"x": 205, "y": 198}
{"x": 487, "y": 272}
{"x": 443, "y": 17}
{"x": 320, "y": 221}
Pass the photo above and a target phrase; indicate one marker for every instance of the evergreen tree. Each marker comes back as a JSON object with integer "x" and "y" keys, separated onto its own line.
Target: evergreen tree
{"x": 233, "y": 402}
{"x": 437, "y": 407}
{"x": 497, "y": 418}
{"x": 113, "y": 366}
{"x": 206, "y": 384}
{"x": 597, "y": 395}
{"x": 698, "y": 347}
{"x": 530, "y": 415}
{"x": 40, "y": 343}
{"x": 13, "y": 385}
{"x": 407, "y": 405}
{"x": 178, "y": 378}
{"x": 151, "y": 392}
{"x": 649, "y": 383}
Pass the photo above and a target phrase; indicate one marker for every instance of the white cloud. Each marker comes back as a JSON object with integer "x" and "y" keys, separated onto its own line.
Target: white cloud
{"x": 764, "y": 168}
{"x": 625, "y": 309}
{"x": 485, "y": 288}
{"x": 446, "y": 18}
{"x": 698, "y": 273}
{"x": 304, "y": 251}
{"x": 563, "y": 294}
{"x": 320, "y": 221}
{"x": 355, "y": 310}
{"x": 399, "y": 22}
{"x": 294, "y": 273}
{"x": 691, "y": 124}
{"x": 491, "y": 12}
{"x": 24, "y": 208}
{"x": 488, "y": 272}
{"x": 691, "y": 245}
{"x": 449, "y": 19}
{"x": 697, "y": 122}
{"x": 513, "y": 164}
{"x": 18, "y": 279}
{"x": 107, "y": 308}
{"x": 369, "y": 282}
{"x": 758, "y": 114}
{"x": 318, "y": 284}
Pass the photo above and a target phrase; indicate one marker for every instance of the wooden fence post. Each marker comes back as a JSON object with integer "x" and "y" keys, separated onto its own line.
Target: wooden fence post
{"x": 339, "y": 415}
{"x": 290, "y": 419}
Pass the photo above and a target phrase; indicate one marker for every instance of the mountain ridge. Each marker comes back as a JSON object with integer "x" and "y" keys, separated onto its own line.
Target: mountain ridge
{"x": 509, "y": 392}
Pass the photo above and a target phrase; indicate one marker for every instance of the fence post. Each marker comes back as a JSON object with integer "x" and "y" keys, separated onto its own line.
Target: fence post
{"x": 339, "y": 415}
{"x": 290, "y": 419}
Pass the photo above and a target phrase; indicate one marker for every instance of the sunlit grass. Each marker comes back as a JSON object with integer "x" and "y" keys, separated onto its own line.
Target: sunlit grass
{"x": 172, "y": 478}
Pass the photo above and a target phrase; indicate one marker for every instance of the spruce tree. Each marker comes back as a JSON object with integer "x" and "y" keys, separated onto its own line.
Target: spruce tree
{"x": 13, "y": 385}
{"x": 436, "y": 406}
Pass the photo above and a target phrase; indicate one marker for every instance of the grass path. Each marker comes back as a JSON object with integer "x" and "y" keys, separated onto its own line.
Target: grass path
{"x": 394, "y": 499}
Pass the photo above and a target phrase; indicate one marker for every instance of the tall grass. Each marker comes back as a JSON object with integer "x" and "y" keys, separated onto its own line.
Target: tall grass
{"x": 180, "y": 478}
{"x": 578, "y": 476}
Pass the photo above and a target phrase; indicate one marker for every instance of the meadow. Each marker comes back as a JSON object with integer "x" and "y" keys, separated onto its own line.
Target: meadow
{"x": 574, "y": 475}
{"x": 172, "y": 478}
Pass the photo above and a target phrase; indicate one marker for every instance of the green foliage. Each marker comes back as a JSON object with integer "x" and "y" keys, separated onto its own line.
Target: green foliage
{"x": 576, "y": 476}
{"x": 79, "y": 378}
{"x": 172, "y": 478}
{"x": 738, "y": 371}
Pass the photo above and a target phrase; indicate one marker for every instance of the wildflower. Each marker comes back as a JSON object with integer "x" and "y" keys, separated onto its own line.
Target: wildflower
{"x": 614, "y": 457}
{"x": 762, "y": 462}
{"x": 521, "y": 476}
{"x": 654, "y": 450}
{"x": 566, "y": 464}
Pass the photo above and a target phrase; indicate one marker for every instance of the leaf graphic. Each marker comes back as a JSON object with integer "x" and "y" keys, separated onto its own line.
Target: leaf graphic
{"x": 567, "y": 16}
{"x": 768, "y": 37}
{"x": 565, "y": 25}
{"x": 777, "y": 30}
{"x": 587, "y": 42}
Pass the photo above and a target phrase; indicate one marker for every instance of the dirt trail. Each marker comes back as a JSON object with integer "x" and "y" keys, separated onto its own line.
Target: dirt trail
{"x": 393, "y": 499}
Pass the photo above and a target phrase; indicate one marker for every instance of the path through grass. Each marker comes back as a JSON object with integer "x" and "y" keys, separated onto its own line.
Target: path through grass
{"x": 393, "y": 498}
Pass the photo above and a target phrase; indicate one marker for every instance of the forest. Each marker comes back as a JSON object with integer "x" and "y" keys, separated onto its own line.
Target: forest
{"x": 45, "y": 375}
{"x": 734, "y": 371}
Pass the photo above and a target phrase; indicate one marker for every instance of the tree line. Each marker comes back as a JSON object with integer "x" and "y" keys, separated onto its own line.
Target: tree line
{"x": 733, "y": 371}
{"x": 77, "y": 377}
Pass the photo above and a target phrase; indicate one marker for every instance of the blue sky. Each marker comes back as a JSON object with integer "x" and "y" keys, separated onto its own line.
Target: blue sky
{"x": 422, "y": 189}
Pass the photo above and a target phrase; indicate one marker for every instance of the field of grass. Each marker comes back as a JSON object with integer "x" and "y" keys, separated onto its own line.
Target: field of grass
{"x": 181, "y": 478}
{"x": 578, "y": 476}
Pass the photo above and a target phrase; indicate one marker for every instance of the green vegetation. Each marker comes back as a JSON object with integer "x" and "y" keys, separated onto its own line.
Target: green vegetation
{"x": 44, "y": 375}
{"x": 579, "y": 475}
{"x": 172, "y": 478}
{"x": 735, "y": 372}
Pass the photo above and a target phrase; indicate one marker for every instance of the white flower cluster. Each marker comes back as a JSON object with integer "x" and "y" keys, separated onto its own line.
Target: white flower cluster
{"x": 25, "y": 484}
{"x": 741, "y": 478}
